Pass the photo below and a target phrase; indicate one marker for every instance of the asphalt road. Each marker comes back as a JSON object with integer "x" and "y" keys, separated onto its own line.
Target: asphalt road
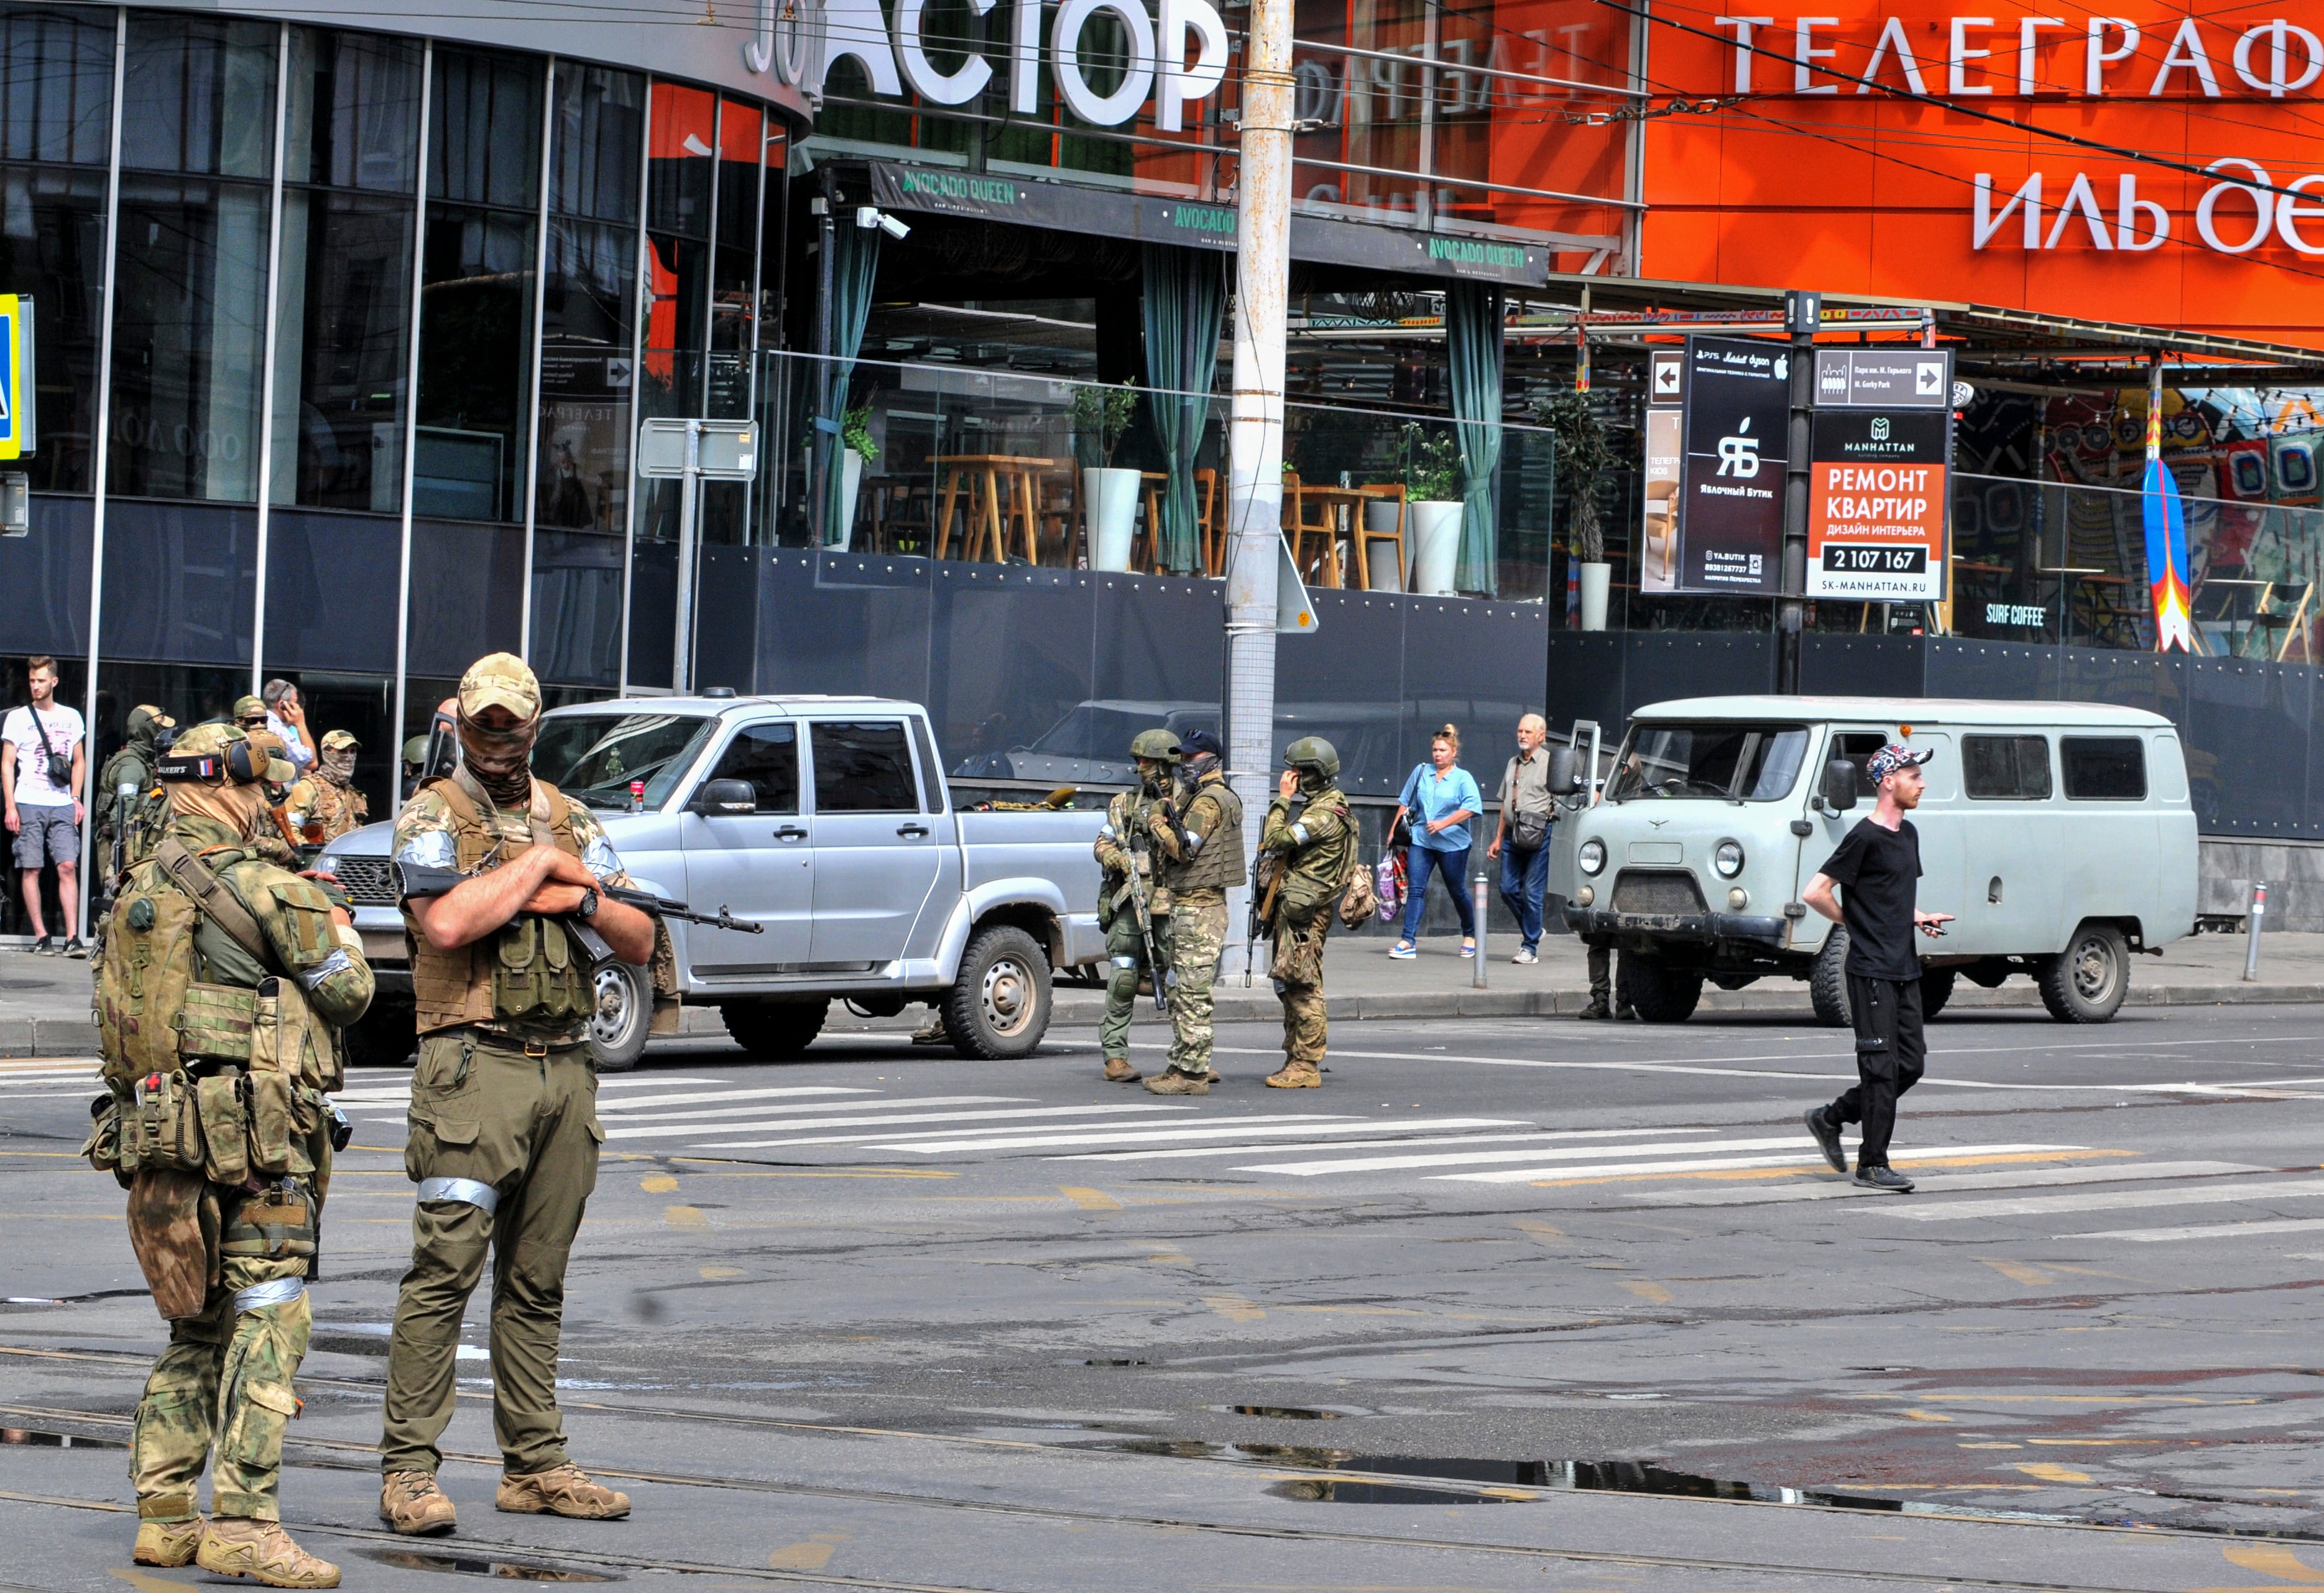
{"x": 1507, "y": 1305}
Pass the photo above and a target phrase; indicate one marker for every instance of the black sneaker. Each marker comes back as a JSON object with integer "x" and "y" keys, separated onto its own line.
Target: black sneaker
{"x": 1827, "y": 1138}
{"x": 1596, "y": 1011}
{"x": 76, "y": 947}
{"x": 44, "y": 947}
{"x": 1887, "y": 1179}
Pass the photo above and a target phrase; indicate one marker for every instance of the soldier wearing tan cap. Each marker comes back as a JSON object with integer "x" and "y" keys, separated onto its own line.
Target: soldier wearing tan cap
{"x": 325, "y": 804}
{"x": 503, "y": 1130}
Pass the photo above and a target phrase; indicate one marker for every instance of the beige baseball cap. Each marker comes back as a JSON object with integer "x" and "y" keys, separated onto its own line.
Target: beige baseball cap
{"x": 500, "y": 680}
{"x": 336, "y": 739}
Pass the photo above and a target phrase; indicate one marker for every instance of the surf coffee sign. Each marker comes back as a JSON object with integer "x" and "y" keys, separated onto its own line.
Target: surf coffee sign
{"x": 1176, "y": 54}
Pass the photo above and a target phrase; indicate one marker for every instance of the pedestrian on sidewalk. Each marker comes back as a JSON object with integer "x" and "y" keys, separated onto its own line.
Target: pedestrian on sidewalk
{"x": 1439, "y": 799}
{"x": 1521, "y": 837}
{"x": 1877, "y": 870}
{"x": 42, "y": 769}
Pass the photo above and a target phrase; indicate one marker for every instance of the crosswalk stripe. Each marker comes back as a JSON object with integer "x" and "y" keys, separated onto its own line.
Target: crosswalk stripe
{"x": 1705, "y": 1164}
{"x": 2042, "y": 1206}
{"x": 1238, "y": 1126}
{"x": 614, "y": 1114}
{"x": 705, "y": 1133}
{"x": 1533, "y": 1153}
{"x": 1945, "y": 1182}
{"x": 699, "y": 1096}
{"x": 2208, "y": 1230}
{"x": 1247, "y": 1150}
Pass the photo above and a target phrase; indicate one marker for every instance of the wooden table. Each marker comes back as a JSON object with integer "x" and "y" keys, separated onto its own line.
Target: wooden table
{"x": 1338, "y": 506}
{"x": 986, "y": 477}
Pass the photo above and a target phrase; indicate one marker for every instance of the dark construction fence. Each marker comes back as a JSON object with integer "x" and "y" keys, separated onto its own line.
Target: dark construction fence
{"x": 2254, "y": 756}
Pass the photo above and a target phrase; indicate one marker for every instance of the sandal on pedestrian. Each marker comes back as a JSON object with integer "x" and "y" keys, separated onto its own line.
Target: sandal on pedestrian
{"x": 1404, "y": 948}
{"x": 1467, "y": 947}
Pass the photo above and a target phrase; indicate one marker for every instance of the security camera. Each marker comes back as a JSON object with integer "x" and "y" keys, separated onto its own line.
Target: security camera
{"x": 894, "y": 228}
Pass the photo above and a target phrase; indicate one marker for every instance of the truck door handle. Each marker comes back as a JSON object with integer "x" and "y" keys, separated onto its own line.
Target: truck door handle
{"x": 790, "y": 832}
{"x": 911, "y": 829}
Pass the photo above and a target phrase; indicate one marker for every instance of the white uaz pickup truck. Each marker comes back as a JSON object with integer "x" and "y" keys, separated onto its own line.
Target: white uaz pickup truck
{"x": 826, "y": 823}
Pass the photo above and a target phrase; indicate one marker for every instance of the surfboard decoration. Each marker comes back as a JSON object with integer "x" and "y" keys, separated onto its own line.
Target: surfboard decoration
{"x": 2166, "y": 560}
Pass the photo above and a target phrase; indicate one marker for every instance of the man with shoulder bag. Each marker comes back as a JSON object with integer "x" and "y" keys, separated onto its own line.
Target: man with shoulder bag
{"x": 224, "y": 985}
{"x": 1522, "y": 840}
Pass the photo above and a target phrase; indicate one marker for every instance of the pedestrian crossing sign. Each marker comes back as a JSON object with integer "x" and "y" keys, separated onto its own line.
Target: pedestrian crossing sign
{"x": 17, "y": 430}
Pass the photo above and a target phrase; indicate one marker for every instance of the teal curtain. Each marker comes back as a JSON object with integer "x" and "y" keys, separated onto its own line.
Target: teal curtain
{"x": 854, "y": 264}
{"x": 1184, "y": 299}
{"x": 1473, "y": 344}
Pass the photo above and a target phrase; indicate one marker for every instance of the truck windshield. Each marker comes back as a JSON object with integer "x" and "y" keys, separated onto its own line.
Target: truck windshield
{"x": 1727, "y": 762}
{"x": 592, "y": 757}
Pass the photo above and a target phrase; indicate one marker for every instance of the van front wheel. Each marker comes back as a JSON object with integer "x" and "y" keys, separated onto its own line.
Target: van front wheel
{"x": 1656, "y": 991}
{"x": 2086, "y": 983}
{"x": 1828, "y": 981}
{"x": 1936, "y": 989}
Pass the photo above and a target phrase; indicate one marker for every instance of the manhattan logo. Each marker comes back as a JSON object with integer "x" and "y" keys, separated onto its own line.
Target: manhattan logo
{"x": 1739, "y": 456}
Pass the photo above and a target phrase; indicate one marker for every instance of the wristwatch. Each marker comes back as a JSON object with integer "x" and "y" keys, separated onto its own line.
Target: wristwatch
{"x": 588, "y": 907}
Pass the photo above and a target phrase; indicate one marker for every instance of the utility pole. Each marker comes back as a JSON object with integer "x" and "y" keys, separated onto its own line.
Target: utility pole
{"x": 1802, "y": 312}
{"x": 1255, "y": 419}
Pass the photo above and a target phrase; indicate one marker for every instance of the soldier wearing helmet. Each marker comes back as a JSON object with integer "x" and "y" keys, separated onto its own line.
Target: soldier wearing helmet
{"x": 1125, "y": 852}
{"x": 1198, "y": 859}
{"x": 1306, "y": 851}
{"x": 136, "y": 811}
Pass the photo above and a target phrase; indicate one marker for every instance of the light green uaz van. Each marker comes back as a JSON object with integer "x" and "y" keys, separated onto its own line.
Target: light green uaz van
{"x": 2058, "y": 836}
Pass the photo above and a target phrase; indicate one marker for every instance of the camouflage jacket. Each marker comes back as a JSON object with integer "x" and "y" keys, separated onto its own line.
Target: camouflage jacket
{"x": 1130, "y": 813}
{"x": 148, "y": 811}
{"x": 295, "y": 916}
{"x": 1316, "y": 847}
{"x": 1210, "y": 809}
{"x": 334, "y": 808}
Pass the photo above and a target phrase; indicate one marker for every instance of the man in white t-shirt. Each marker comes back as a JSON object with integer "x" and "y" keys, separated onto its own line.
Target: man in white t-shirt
{"x": 41, "y": 770}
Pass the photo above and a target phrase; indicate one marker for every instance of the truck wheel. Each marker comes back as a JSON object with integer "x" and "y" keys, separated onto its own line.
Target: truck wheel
{"x": 999, "y": 1006}
{"x": 623, "y": 1017}
{"x": 1936, "y": 989}
{"x": 1658, "y": 992}
{"x": 1828, "y": 981}
{"x": 385, "y": 1036}
{"x": 2087, "y": 982}
{"x": 775, "y": 1031}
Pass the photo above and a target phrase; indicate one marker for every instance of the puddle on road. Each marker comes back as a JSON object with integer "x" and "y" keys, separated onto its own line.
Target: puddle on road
{"x": 1290, "y": 1413}
{"x": 464, "y": 1565}
{"x": 1332, "y": 1490}
{"x": 31, "y": 1438}
{"x": 1116, "y": 1363}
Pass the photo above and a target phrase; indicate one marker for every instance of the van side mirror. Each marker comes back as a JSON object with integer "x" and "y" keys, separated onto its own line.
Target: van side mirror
{"x": 1564, "y": 771}
{"x": 1838, "y": 784}
{"x": 722, "y": 799}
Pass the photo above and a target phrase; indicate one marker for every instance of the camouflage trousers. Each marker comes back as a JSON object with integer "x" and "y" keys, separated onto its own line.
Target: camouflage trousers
{"x": 1125, "y": 951}
{"x": 226, "y": 1376}
{"x": 1299, "y": 984}
{"x": 1198, "y": 934}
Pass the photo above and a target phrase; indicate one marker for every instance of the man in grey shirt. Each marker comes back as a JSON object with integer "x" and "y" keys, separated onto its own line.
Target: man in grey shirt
{"x": 1522, "y": 840}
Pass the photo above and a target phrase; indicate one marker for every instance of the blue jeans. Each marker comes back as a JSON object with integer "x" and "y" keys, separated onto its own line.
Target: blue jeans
{"x": 1454, "y": 867}
{"x": 1525, "y": 880}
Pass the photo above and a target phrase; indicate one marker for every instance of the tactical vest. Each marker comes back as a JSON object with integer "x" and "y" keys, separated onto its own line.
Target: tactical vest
{"x": 148, "y": 815}
{"x": 1218, "y": 863}
{"x": 1316, "y": 873}
{"x": 528, "y": 970}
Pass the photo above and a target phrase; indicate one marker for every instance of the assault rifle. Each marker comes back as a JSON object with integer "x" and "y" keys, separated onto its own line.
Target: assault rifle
{"x": 1164, "y": 978}
{"x": 418, "y": 880}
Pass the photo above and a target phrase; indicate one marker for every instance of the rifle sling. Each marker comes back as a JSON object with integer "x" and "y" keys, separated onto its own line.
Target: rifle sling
{"x": 194, "y": 877}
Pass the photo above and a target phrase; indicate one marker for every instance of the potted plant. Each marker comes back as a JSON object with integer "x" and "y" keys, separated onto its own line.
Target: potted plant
{"x": 857, "y": 450}
{"x": 1582, "y": 459}
{"x": 1109, "y": 495}
{"x": 1432, "y": 491}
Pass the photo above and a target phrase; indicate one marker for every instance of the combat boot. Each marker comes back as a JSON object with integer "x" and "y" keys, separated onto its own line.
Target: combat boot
{"x": 1174, "y": 1083}
{"x": 561, "y": 1490}
{"x": 1596, "y": 1011}
{"x": 932, "y": 1032}
{"x": 1118, "y": 1071}
{"x": 411, "y": 1503}
{"x": 1296, "y": 1075}
{"x": 235, "y": 1546}
{"x": 167, "y": 1543}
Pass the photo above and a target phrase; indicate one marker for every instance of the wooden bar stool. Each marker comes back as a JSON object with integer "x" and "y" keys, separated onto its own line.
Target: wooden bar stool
{"x": 1365, "y": 536}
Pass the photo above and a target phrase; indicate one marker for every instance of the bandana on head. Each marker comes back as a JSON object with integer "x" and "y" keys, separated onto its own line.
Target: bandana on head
{"x": 337, "y": 764}
{"x": 238, "y": 808}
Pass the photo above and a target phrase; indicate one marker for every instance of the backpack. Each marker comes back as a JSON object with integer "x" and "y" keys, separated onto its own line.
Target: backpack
{"x": 143, "y": 978}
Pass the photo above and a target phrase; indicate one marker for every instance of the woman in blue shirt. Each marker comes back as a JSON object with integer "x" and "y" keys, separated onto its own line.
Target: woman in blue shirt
{"x": 1438, "y": 802}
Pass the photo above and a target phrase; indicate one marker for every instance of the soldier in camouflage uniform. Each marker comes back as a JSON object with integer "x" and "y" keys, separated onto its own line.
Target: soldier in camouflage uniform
{"x": 1198, "y": 858}
{"x": 226, "y": 1376}
{"x": 323, "y": 804}
{"x": 1123, "y": 846}
{"x": 1306, "y": 850}
{"x": 503, "y": 1130}
{"x": 136, "y": 824}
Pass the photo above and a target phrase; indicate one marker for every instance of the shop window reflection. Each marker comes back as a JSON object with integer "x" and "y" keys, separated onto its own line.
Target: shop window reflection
{"x": 203, "y": 90}
{"x": 352, "y": 120}
{"x": 52, "y": 246}
{"x": 56, "y": 84}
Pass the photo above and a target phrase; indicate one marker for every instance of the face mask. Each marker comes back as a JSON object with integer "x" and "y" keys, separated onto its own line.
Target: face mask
{"x": 237, "y": 808}
{"x": 1198, "y": 766}
{"x": 339, "y": 766}
{"x": 500, "y": 760}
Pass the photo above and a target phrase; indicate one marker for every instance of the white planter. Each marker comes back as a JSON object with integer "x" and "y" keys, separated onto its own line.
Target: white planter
{"x": 1109, "y": 513}
{"x": 1380, "y": 520}
{"x": 850, "y": 482}
{"x": 1593, "y": 595}
{"x": 1432, "y": 531}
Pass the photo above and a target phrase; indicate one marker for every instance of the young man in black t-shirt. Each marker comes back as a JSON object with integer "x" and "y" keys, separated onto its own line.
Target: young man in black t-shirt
{"x": 1877, "y": 870}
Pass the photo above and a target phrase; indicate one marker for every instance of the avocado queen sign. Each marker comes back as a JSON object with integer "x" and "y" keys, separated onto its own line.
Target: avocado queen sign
{"x": 1153, "y": 219}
